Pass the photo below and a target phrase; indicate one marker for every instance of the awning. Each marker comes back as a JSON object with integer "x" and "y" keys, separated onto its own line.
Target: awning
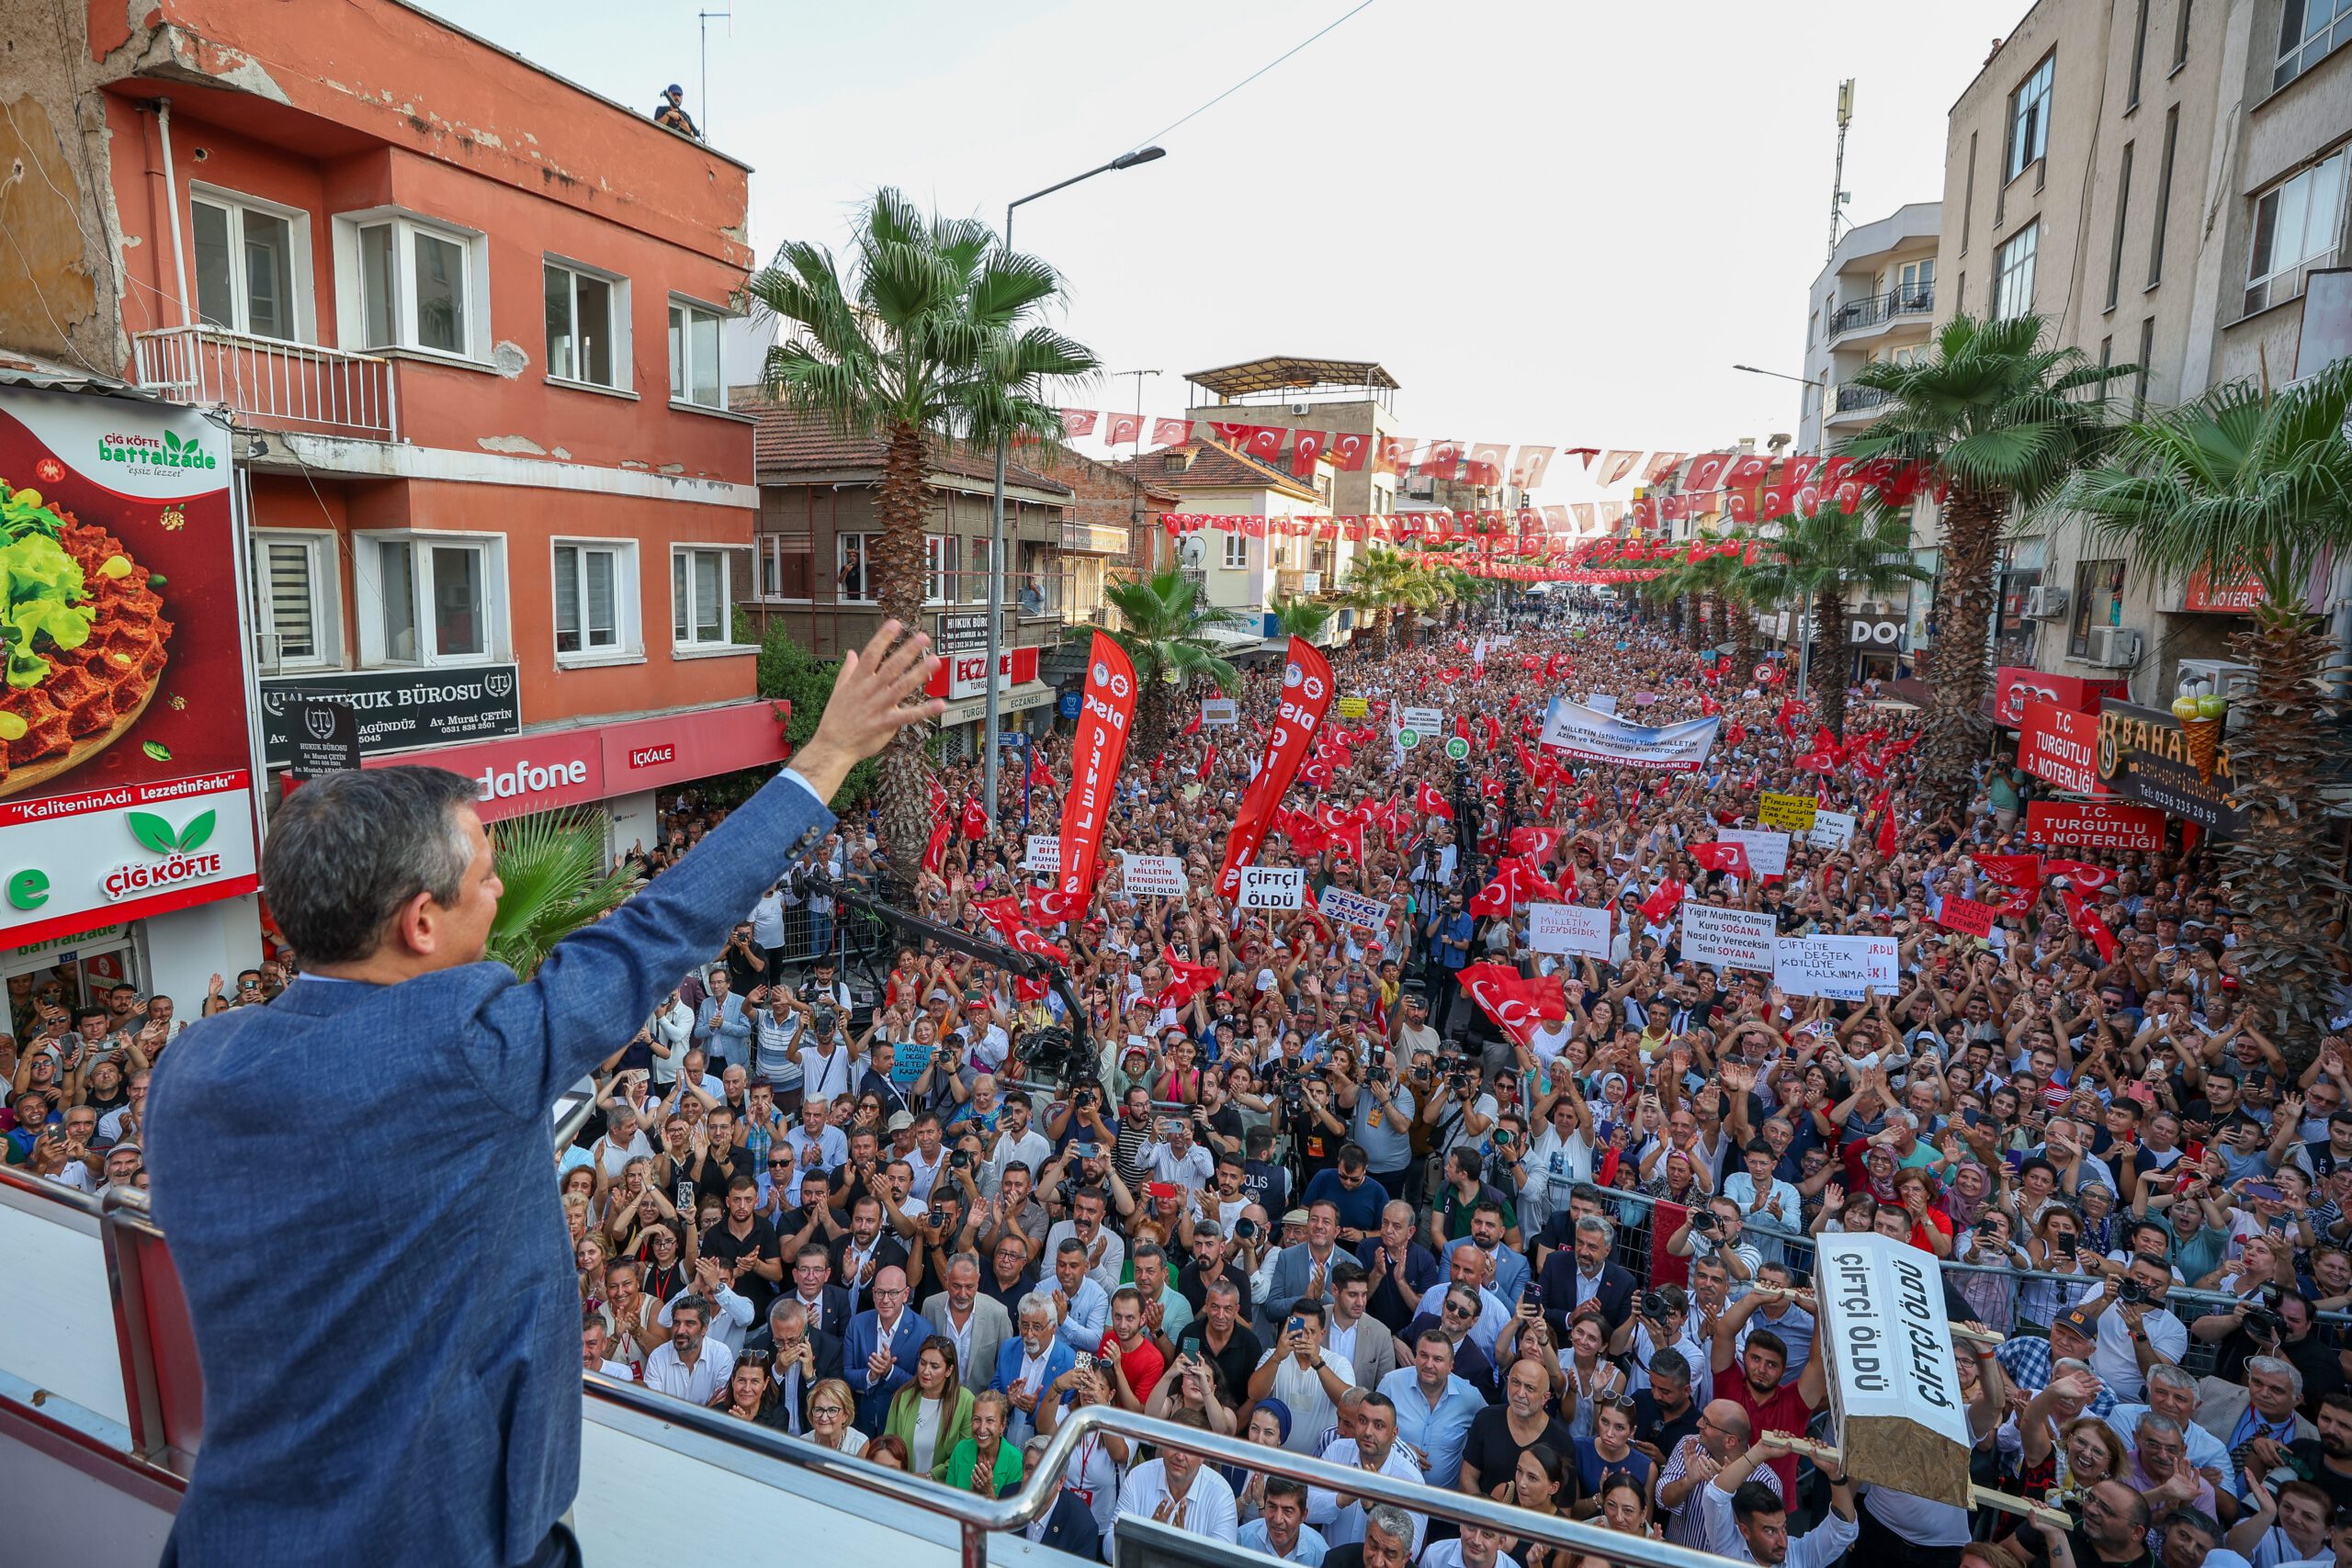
{"x": 1018, "y": 699}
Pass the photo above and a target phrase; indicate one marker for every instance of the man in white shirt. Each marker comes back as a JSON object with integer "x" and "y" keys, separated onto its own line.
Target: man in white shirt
{"x": 1016, "y": 1140}
{"x": 1301, "y": 1372}
{"x": 1478, "y": 1548}
{"x": 1178, "y": 1490}
{"x": 1106, "y": 1254}
{"x": 2136, "y": 1336}
{"x": 726, "y": 1316}
{"x": 1280, "y": 1529}
{"x": 1172, "y": 1156}
{"x": 1748, "y": 1523}
{"x": 689, "y": 1365}
{"x": 1373, "y": 1448}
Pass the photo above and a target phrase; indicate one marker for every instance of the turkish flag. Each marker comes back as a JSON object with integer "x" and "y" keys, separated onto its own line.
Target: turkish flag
{"x": 1887, "y": 838}
{"x": 1515, "y": 1003}
{"x": 1659, "y": 906}
{"x": 1528, "y": 885}
{"x": 1442, "y": 460}
{"x": 1661, "y": 464}
{"x": 1707, "y": 471}
{"x": 1347, "y": 450}
{"x": 1735, "y": 734}
{"x": 1078, "y": 422}
{"x": 1430, "y": 803}
{"x": 1051, "y": 906}
{"x": 939, "y": 812}
{"x": 1398, "y": 452}
{"x": 1616, "y": 466}
{"x": 1719, "y": 856}
{"x": 1208, "y": 760}
{"x": 1265, "y": 440}
{"x": 976, "y": 819}
{"x": 1253, "y": 527}
{"x": 2089, "y": 878}
{"x": 1795, "y": 471}
{"x": 1529, "y": 469}
{"x": 1192, "y": 726}
{"x": 1536, "y": 843}
{"x": 1709, "y": 708}
{"x": 1492, "y": 900}
{"x": 1171, "y": 431}
{"x": 1776, "y": 502}
{"x": 934, "y": 853}
{"x": 1487, "y": 459}
{"x": 1304, "y": 449}
{"x": 1124, "y": 428}
{"x": 2085, "y": 920}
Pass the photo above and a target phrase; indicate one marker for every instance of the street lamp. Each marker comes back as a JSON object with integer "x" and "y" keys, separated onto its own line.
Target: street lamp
{"x": 989, "y": 727}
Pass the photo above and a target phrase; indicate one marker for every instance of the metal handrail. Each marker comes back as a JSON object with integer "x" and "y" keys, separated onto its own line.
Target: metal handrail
{"x": 979, "y": 1515}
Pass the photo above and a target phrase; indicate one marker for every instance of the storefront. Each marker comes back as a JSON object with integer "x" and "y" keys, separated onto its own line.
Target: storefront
{"x": 1022, "y": 701}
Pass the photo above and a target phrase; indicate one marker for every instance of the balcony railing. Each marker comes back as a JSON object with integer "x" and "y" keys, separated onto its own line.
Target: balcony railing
{"x": 285, "y": 385}
{"x": 1917, "y": 300}
{"x": 1853, "y": 399}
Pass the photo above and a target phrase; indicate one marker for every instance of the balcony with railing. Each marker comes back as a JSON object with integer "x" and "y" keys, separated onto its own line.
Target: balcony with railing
{"x": 271, "y": 383}
{"x": 1855, "y": 405}
{"x": 1914, "y": 301}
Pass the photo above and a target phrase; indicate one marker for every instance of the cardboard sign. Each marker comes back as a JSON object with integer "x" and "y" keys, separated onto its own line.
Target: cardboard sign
{"x": 2094, "y": 824}
{"x": 1044, "y": 852}
{"x": 1601, "y": 702}
{"x": 1219, "y": 712}
{"x": 1838, "y": 967}
{"x": 1727, "y": 939}
{"x": 1893, "y": 1383}
{"x": 1428, "y": 721}
{"x": 1966, "y": 916}
{"x": 1767, "y": 848}
{"x": 907, "y": 1063}
{"x": 1272, "y": 887}
{"x": 1353, "y": 708}
{"x": 1351, "y": 908}
{"x": 1793, "y": 812}
{"x": 1568, "y": 929}
{"x": 1831, "y": 829}
{"x": 1155, "y": 877}
{"x": 2062, "y": 745}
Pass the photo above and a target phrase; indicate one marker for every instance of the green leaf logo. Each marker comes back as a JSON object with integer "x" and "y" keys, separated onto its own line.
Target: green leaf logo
{"x": 153, "y": 831}
{"x": 171, "y": 442}
{"x": 200, "y": 828}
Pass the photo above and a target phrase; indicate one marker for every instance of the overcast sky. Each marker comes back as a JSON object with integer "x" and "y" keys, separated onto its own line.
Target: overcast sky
{"x": 1554, "y": 221}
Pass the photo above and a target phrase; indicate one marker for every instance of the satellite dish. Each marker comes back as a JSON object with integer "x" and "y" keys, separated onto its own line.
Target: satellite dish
{"x": 1195, "y": 551}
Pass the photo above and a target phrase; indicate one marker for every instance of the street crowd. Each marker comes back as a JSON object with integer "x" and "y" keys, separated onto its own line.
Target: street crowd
{"x": 1311, "y": 1194}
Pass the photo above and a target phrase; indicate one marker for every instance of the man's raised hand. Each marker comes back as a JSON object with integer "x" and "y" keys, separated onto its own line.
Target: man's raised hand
{"x": 869, "y": 706}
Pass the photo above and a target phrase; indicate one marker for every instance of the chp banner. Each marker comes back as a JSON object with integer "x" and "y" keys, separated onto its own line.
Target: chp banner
{"x": 1306, "y": 697}
{"x": 1728, "y": 939}
{"x": 1838, "y": 967}
{"x": 2094, "y": 824}
{"x": 1568, "y": 929}
{"x": 1106, "y": 712}
{"x": 1590, "y": 735}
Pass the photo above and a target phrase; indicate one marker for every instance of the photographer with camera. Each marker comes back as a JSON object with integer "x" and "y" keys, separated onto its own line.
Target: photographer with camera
{"x": 2136, "y": 1331}
{"x": 1714, "y": 1231}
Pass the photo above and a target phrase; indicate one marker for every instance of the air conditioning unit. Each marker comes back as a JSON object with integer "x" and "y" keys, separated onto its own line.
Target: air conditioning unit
{"x": 2225, "y": 677}
{"x": 2045, "y": 604}
{"x": 2113, "y": 647}
{"x": 1300, "y": 410}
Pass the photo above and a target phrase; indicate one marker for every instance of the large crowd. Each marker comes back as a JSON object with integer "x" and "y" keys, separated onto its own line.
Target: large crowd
{"x": 1312, "y": 1195}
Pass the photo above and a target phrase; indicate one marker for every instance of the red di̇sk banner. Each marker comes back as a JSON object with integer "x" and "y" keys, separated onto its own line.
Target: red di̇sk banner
{"x": 1106, "y": 713}
{"x": 2015, "y": 686}
{"x": 2060, "y": 745}
{"x": 2097, "y": 825}
{"x": 1306, "y": 697}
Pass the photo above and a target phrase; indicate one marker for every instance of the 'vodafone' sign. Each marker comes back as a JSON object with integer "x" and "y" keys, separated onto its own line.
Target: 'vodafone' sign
{"x": 538, "y": 773}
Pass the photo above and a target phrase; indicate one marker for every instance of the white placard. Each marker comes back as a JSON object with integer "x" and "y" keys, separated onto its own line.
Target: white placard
{"x": 1601, "y": 702}
{"x": 1568, "y": 929}
{"x": 1838, "y": 968}
{"x": 1044, "y": 852}
{"x": 1155, "y": 877}
{"x": 1219, "y": 712}
{"x": 1428, "y": 721}
{"x": 1831, "y": 829}
{"x": 1728, "y": 939}
{"x": 1351, "y": 908}
{"x": 1272, "y": 887}
{"x": 1767, "y": 848}
{"x": 1887, "y": 1349}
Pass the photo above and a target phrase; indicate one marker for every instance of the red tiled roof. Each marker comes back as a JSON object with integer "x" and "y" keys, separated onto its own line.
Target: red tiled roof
{"x": 784, "y": 443}
{"x": 1215, "y": 466}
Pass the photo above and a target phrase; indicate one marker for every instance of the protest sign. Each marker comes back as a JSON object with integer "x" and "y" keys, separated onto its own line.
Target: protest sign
{"x": 1895, "y": 1404}
{"x": 1601, "y": 702}
{"x": 1352, "y": 707}
{"x": 1593, "y": 734}
{"x": 1727, "y": 939}
{"x": 1795, "y": 813}
{"x": 1428, "y": 721}
{"x": 1838, "y": 967}
{"x": 1044, "y": 852}
{"x": 1351, "y": 908}
{"x": 1219, "y": 712}
{"x": 1965, "y": 916}
{"x": 1767, "y": 848}
{"x": 1831, "y": 829}
{"x": 1155, "y": 877}
{"x": 1568, "y": 929}
{"x": 1271, "y": 888}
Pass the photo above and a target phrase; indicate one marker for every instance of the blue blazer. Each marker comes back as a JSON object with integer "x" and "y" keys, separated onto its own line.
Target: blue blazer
{"x": 906, "y": 1344}
{"x": 1070, "y": 1528}
{"x": 1059, "y": 1359}
{"x": 420, "y": 1112}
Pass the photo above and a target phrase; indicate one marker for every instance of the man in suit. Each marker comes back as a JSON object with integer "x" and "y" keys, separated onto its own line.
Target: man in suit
{"x": 411, "y": 1083}
{"x": 826, "y": 1303}
{"x": 1305, "y": 1270}
{"x": 1068, "y": 1526}
{"x": 977, "y": 1326}
{"x": 2263, "y": 1406}
{"x": 1582, "y": 1272}
{"x": 1361, "y": 1339}
{"x": 800, "y": 1359}
{"x": 860, "y": 1257}
{"x": 879, "y": 1353}
{"x": 1029, "y": 1363}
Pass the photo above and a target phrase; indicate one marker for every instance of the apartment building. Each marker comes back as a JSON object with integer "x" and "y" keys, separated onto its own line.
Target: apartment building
{"x": 2163, "y": 180}
{"x": 1343, "y": 397}
{"x": 1250, "y": 559}
{"x": 1875, "y": 299}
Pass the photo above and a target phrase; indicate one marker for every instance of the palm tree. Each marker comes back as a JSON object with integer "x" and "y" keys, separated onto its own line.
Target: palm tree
{"x": 1722, "y": 578}
{"x": 2001, "y": 421}
{"x": 1302, "y": 618}
{"x": 1168, "y": 618}
{"x": 1815, "y": 562}
{"x": 552, "y": 866}
{"x": 1379, "y": 584}
{"x": 2248, "y": 483}
{"x": 932, "y": 333}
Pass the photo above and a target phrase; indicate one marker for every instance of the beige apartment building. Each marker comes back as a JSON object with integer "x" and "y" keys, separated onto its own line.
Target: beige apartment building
{"x": 1875, "y": 299}
{"x": 2162, "y": 179}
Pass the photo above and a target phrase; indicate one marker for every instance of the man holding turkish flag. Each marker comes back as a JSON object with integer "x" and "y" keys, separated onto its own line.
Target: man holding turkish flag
{"x": 1515, "y": 1003}
{"x": 1305, "y": 698}
{"x": 1105, "y": 716}
{"x": 1718, "y": 855}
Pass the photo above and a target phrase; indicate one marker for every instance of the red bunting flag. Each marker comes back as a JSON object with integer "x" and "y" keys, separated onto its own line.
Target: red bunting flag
{"x": 1124, "y": 428}
{"x": 1171, "y": 431}
{"x": 1306, "y": 448}
{"x": 1616, "y": 466}
{"x": 1078, "y": 422}
{"x": 1347, "y": 450}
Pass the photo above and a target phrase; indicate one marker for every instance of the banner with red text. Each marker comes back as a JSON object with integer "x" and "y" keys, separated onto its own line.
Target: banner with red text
{"x": 1105, "y": 714}
{"x": 1306, "y": 696}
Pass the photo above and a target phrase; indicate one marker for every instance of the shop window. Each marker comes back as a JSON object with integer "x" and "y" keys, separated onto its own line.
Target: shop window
{"x": 2097, "y": 602}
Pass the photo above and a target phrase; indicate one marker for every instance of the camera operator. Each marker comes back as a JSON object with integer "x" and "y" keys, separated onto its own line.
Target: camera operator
{"x": 1713, "y": 1232}
{"x": 747, "y": 966}
{"x": 1315, "y": 1131}
{"x": 1459, "y": 1112}
{"x": 1382, "y": 1116}
{"x": 2136, "y": 1331}
{"x": 827, "y": 1069}
{"x": 821, "y": 985}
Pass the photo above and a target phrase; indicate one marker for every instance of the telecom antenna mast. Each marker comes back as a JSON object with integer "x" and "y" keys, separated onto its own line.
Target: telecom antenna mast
{"x": 1838, "y": 194}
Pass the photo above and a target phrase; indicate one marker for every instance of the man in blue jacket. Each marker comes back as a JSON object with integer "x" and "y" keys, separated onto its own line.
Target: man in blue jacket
{"x": 421, "y": 1404}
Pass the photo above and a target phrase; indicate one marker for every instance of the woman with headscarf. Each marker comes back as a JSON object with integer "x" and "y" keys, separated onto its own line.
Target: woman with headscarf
{"x": 1270, "y": 1424}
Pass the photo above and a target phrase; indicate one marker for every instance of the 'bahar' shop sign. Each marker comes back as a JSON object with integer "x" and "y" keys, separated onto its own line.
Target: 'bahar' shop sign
{"x": 2144, "y": 755}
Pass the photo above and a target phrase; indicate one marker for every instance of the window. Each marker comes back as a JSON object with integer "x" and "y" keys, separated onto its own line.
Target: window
{"x": 1915, "y": 285}
{"x": 248, "y": 259}
{"x": 1237, "y": 552}
{"x": 851, "y": 553}
{"x": 429, "y": 599}
{"x": 2163, "y": 197}
{"x": 1968, "y": 197}
{"x": 416, "y": 286}
{"x": 2106, "y": 351}
{"x": 694, "y": 374}
{"x": 939, "y": 569}
{"x": 1812, "y": 328}
{"x": 2029, "y": 119}
{"x": 2295, "y": 226}
{"x": 698, "y": 598}
{"x": 2122, "y": 215}
{"x": 2139, "y": 54}
{"x": 787, "y": 568}
{"x": 595, "y": 598}
{"x": 2309, "y": 30}
{"x": 587, "y": 315}
{"x": 2013, "y": 273}
{"x": 2180, "y": 35}
{"x": 294, "y": 599}
{"x": 2098, "y": 602}
{"x": 2147, "y": 352}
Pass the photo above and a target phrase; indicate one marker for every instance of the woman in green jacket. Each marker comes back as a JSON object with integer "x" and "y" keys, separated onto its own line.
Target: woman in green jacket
{"x": 984, "y": 1462}
{"x": 934, "y": 1413}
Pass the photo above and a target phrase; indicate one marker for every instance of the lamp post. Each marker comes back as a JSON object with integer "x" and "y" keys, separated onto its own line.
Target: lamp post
{"x": 989, "y": 727}
{"x": 1804, "y": 614}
